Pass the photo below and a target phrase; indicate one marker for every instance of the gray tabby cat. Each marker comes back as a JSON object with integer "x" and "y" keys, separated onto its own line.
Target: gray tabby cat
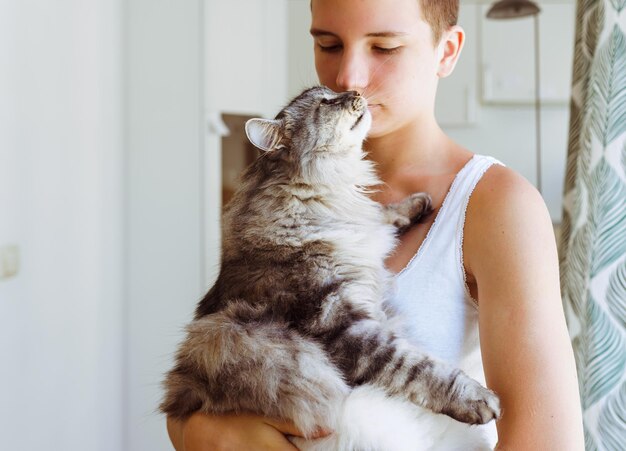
{"x": 296, "y": 318}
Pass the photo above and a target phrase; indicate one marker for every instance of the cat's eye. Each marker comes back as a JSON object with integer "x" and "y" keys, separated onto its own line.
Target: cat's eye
{"x": 329, "y": 101}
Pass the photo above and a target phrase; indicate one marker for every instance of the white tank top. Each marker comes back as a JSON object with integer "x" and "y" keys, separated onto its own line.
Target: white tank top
{"x": 431, "y": 294}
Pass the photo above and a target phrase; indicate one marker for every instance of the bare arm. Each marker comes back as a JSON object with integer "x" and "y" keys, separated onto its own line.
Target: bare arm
{"x": 175, "y": 432}
{"x": 247, "y": 432}
{"x": 528, "y": 360}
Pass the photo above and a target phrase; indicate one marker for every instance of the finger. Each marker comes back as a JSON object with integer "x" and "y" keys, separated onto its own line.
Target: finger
{"x": 287, "y": 446}
{"x": 287, "y": 427}
{"x": 320, "y": 433}
{"x": 273, "y": 439}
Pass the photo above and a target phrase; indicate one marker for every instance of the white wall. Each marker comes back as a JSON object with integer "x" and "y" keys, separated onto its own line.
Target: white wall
{"x": 165, "y": 130}
{"x": 61, "y": 128}
{"x": 101, "y": 169}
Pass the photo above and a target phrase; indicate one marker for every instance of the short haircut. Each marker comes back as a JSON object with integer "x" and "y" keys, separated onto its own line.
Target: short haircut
{"x": 440, "y": 15}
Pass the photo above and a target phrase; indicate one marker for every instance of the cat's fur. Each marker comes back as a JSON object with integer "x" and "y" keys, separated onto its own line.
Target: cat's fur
{"x": 295, "y": 320}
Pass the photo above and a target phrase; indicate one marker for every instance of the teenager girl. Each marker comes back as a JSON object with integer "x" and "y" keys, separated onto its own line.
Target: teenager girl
{"x": 480, "y": 280}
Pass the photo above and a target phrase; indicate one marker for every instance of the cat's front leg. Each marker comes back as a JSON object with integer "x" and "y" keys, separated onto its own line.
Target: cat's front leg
{"x": 369, "y": 354}
{"x": 409, "y": 211}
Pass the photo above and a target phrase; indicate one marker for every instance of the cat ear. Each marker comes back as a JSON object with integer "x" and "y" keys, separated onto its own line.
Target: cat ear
{"x": 263, "y": 133}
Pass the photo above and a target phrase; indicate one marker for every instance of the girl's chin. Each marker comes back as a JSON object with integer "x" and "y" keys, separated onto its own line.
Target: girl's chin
{"x": 377, "y": 129}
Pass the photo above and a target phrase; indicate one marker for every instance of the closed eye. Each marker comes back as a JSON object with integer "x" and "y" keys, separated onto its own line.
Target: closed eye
{"x": 334, "y": 101}
{"x": 386, "y": 50}
{"x": 329, "y": 48}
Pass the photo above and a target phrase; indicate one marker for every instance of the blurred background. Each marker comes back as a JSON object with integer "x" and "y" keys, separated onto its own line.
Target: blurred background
{"x": 120, "y": 137}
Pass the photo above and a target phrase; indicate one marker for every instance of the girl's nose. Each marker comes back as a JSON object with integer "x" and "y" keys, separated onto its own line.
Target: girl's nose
{"x": 353, "y": 73}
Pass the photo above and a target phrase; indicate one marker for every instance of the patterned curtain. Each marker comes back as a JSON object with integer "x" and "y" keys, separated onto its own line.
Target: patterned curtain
{"x": 593, "y": 243}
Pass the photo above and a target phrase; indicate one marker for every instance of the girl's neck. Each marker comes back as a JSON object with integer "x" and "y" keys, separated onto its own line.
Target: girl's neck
{"x": 418, "y": 146}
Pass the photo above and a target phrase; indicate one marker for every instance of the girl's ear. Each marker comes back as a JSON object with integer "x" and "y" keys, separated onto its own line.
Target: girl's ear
{"x": 263, "y": 133}
{"x": 450, "y": 48}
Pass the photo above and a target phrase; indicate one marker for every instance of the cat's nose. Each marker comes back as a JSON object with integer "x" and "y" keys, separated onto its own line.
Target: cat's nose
{"x": 353, "y": 97}
{"x": 358, "y": 103}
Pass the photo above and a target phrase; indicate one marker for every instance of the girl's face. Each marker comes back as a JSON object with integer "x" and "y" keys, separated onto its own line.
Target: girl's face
{"x": 382, "y": 49}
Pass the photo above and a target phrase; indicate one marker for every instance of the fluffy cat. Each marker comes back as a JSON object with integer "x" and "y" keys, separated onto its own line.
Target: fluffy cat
{"x": 295, "y": 326}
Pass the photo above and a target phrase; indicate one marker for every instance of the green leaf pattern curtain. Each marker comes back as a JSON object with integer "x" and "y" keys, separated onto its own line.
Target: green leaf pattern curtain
{"x": 593, "y": 242}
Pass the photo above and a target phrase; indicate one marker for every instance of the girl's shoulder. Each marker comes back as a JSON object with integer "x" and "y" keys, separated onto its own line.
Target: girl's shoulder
{"x": 502, "y": 191}
{"x": 505, "y": 214}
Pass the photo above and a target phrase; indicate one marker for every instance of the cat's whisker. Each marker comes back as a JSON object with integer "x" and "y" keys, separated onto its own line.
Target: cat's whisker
{"x": 394, "y": 103}
{"x": 364, "y": 93}
{"x": 369, "y": 96}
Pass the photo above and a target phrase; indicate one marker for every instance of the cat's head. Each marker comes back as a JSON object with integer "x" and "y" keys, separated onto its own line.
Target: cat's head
{"x": 319, "y": 124}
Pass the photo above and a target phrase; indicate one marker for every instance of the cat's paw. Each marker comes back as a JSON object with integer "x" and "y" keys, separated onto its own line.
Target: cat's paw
{"x": 411, "y": 210}
{"x": 474, "y": 404}
{"x": 419, "y": 206}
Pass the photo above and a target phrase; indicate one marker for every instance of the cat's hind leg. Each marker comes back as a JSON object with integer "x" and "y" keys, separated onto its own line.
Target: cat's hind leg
{"x": 238, "y": 361}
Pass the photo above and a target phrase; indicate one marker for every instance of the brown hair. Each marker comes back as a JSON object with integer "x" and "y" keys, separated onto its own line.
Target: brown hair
{"x": 440, "y": 15}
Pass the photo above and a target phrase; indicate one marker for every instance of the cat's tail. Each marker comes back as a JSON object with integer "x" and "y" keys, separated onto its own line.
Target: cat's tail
{"x": 240, "y": 360}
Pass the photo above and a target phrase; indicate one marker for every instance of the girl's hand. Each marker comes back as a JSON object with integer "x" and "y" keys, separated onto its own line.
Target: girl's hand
{"x": 245, "y": 432}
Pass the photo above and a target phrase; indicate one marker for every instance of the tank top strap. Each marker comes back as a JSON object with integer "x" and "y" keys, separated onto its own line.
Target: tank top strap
{"x": 447, "y": 229}
{"x": 456, "y": 202}
{"x": 463, "y": 186}
{"x": 453, "y": 220}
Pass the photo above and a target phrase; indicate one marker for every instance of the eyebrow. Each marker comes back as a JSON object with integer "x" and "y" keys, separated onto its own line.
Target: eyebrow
{"x": 315, "y": 32}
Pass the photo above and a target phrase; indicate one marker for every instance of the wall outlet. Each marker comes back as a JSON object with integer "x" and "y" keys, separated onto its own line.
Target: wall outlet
{"x": 9, "y": 261}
